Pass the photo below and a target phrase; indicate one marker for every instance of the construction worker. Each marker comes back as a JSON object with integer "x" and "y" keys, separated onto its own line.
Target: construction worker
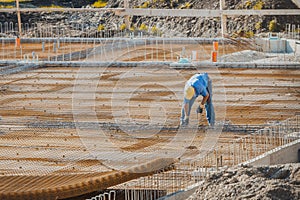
{"x": 198, "y": 84}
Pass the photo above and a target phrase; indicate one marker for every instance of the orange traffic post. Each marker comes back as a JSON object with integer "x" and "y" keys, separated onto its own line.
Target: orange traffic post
{"x": 216, "y": 46}
{"x": 214, "y": 56}
{"x": 18, "y": 42}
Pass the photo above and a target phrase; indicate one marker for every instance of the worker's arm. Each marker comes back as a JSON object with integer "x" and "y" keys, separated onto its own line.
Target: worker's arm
{"x": 204, "y": 100}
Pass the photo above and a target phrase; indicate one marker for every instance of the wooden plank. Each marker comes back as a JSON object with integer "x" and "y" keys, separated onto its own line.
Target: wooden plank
{"x": 205, "y": 12}
{"x": 165, "y": 12}
{"x": 63, "y": 10}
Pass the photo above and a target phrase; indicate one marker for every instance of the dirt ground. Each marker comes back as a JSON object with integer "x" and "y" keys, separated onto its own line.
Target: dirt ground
{"x": 153, "y": 51}
{"x": 9, "y": 51}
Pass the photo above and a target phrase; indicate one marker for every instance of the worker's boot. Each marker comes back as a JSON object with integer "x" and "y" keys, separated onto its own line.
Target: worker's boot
{"x": 187, "y": 121}
{"x": 184, "y": 122}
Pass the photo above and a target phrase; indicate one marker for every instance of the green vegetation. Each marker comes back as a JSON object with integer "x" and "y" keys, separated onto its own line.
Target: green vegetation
{"x": 143, "y": 27}
{"x": 99, "y": 4}
{"x": 249, "y": 34}
{"x": 256, "y": 5}
{"x": 258, "y": 26}
{"x": 248, "y": 4}
{"x": 123, "y": 27}
{"x": 154, "y": 30}
{"x": 272, "y": 25}
{"x": 187, "y": 5}
{"x": 52, "y": 6}
{"x": 7, "y": 7}
{"x": 132, "y": 28}
{"x": 101, "y": 27}
{"x": 145, "y": 4}
{"x": 259, "y": 5}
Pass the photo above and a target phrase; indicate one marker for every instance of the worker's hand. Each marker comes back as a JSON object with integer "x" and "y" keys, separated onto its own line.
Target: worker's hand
{"x": 199, "y": 109}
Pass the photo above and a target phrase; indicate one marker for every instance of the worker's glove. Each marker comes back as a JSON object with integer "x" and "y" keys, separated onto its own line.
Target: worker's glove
{"x": 199, "y": 109}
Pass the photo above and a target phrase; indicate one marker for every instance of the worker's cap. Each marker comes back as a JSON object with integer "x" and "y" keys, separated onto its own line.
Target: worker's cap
{"x": 189, "y": 92}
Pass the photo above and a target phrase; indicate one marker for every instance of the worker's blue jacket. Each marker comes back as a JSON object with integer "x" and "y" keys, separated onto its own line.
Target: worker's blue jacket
{"x": 199, "y": 82}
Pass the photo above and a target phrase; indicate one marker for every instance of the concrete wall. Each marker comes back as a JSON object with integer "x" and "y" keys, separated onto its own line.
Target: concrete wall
{"x": 273, "y": 45}
{"x": 297, "y": 47}
{"x": 281, "y": 155}
{"x": 293, "y": 46}
{"x": 279, "y": 45}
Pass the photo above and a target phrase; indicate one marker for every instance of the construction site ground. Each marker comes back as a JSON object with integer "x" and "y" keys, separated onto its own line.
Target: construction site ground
{"x": 137, "y": 109}
{"x": 136, "y": 50}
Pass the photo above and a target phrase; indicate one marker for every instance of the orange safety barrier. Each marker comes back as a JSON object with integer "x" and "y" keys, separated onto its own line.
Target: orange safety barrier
{"x": 18, "y": 42}
{"x": 216, "y": 46}
{"x": 214, "y": 56}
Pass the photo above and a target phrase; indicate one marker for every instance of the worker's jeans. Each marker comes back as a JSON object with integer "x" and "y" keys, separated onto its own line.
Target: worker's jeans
{"x": 209, "y": 107}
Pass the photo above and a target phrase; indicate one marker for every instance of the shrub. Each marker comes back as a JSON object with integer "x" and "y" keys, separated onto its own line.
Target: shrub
{"x": 258, "y": 26}
{"x": 7, "y": 7}
{"x": 272, "y": 25}
{"x": 132, "y": 28}
{"x": 145, "y": 4}
{"x": 187, "y": 5}
{"x": 99, "y": 4}
{"x": 154, "y": 30}
{"x": 249, "y": 34}
{"x": 52, "y": 6}
{"x": 143, "y": 27}
{"x": 248, "y": 4}
{"x": 123, "y": 27}
{"x": 101, "y": 27}
{"x": 259, "y": 5}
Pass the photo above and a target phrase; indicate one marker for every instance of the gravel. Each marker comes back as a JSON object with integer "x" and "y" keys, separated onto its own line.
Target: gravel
{"x": 245, "y": 182}
{"x": 169, "y": 26}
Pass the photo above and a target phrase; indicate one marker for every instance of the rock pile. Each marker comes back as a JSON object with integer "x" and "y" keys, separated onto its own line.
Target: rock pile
{"x": 269, "y": 182}
{"x": 167, "y": 26}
